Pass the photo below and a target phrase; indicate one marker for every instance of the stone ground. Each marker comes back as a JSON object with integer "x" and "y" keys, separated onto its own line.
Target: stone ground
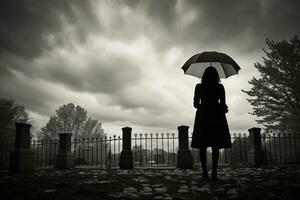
{"x": 279, "y": 182}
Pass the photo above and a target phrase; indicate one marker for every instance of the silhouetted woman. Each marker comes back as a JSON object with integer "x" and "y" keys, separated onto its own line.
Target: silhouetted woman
{"x": 210, "y": 127}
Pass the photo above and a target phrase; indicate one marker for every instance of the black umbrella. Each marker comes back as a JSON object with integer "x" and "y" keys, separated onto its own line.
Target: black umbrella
{"x": 224, "y": 64}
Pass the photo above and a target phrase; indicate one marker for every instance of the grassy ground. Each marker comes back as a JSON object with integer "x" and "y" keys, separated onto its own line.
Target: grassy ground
{"x": 280, "y": 182}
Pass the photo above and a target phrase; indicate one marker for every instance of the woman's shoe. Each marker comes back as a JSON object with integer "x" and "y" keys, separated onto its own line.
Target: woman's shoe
{"x": 214, "y": 175}
{"x": 205, "y": 175}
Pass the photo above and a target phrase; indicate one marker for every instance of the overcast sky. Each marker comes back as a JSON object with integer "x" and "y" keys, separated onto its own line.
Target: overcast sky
{"x": 121, "y": 60}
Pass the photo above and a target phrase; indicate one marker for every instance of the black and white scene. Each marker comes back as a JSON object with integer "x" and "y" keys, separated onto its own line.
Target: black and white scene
{"x": 149, "y": 99}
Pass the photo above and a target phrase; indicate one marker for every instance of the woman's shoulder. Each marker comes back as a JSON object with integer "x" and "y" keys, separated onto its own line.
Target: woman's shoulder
{"x": 220, "y": 85}
{"x": 213, "y": 85}
{"x": 199, "y": 85}
{"x": 204, "y": 86}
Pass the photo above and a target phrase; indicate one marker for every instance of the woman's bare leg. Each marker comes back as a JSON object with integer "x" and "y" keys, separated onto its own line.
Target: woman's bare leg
{"x": 203, "y": 162}
{"x": 215, "y": 160}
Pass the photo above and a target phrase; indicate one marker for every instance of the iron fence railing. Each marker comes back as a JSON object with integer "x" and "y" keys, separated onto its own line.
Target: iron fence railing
{"x": 156, "y": 150}
{"x": 281, "y": 149}
{"x": 5, "y": 149}
{"x": 103, "y": 152}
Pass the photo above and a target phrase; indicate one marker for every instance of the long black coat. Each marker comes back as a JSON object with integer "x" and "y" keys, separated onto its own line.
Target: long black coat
{"x": 210, "y": 127}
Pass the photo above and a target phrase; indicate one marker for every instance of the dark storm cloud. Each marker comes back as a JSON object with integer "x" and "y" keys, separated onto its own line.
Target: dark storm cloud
{"x": 162, "y": 11}
{"x": 34, "y": 95}
{"x": 30, "y": 34}
{"x": 93, "y": 73}
{"x": 106, "y": 75}
{"x": 255, "y": 19}
{"x": 243, "y": 23}
{"x": 27, "y": 26}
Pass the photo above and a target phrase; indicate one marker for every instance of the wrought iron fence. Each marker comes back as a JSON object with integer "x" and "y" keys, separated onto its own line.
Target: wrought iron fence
{"x": 156, "y": 150}
{"x": 5, "y": 149}
{"x": 45, "y": 152}
{"x": 283, "y": 148}
{"x": 102, "y": 152}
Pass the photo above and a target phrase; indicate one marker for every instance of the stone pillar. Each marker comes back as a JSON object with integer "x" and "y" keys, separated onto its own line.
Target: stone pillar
{"x": 184, "y": 155}
{"x": 126, "y": 158}
{"x": 256, "y": 156}
{"x": 65, "y": 158}
{"x": 21, "y": 158}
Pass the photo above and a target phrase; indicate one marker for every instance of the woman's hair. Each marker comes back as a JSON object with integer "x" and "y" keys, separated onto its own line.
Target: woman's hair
{"x": 210, "y": 76}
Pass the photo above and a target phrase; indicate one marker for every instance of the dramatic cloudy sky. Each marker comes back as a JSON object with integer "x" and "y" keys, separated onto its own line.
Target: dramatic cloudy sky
{"x": 121, "y": 60}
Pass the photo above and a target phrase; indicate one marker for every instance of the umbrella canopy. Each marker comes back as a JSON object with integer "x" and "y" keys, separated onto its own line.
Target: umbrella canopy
{"x": 225, "y": 65}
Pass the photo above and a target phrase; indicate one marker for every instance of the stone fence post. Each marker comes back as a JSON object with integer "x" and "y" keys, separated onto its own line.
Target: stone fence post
{"x": 256, "y": 156}
{"x": 126, "y": 158}
{"x": 21, "y": 158}
{"x": 184, "y": 155}
{"x": 65, "y": 158}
